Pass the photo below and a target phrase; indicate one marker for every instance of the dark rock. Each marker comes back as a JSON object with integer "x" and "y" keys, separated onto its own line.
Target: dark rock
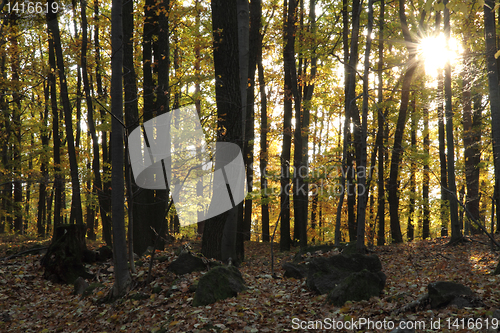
{"x": 442, "y": 293}
{"x": 89, "y": 256}
{"x": 356, "y": 287}
{"x": 187, "y": 263}
{"x": 90, "y": 289}
{"x": 104, "y": 253}
{"x": 139, "y": 296}
{"x": 325, "y": 273}
{"x": 296, "y": 271}
{"x": 218, "y": 283}
{"x": 80, "y": 286}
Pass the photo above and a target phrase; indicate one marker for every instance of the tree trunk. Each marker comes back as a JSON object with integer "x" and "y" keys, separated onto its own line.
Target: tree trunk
{"x": 362, "y": 165}
{"x": 255, "y": 47}
{"x": 472, "y": 143}
{"x": 398, "y": 136}
{"x": 219, "y": 236}
{"x": 121, "y": 272}
{"x": 16, "y": 126}
{"x": 76, "y": 203}
{"x": 264, "y": 128}
{"x": 426, "y": 178}
{"x": 285, "y": 240}
{"x": 456, "y": 233}
{"x": 380, "y": 132}
{"x": 131, "y": 114}
{"x": 150, "y": 205}
{"x": 494, "y": 92}
{"x": 413, "y": 169}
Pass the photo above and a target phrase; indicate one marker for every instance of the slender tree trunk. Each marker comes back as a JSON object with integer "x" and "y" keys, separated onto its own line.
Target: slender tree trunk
{"x": 494, "y": 92}
{"x": 264, "y": 128}
{"x": 351, "y": 114}
{"x": 121, "y": 272}
{"x": 456, "y": 233}
{"x": 105, "y": 201}
{"x": 197, "y": 102}
{"x": 380, "y": 133}
{"x": 362, "y": 165}
{"x": 16, "y": 125}
{"x": 413, "y": 170}
{"x": 426, "y": 178}
{"x": 131, "y": 114}
{"x": 398, "y": 136}
{"x": 76, "y": 203}
{"x": 42, "y": 190}
{"x": 285, "y": 240}
{"x": 255, "y": 47}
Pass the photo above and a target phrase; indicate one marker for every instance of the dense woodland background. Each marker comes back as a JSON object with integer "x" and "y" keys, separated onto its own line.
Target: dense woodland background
{"x": 392, "y": 143}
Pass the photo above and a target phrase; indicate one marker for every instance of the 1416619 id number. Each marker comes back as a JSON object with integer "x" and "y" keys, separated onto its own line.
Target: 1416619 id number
{"x": 30, "y": 7}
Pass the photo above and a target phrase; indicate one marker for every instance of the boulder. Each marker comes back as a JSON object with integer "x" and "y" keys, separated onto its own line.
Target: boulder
{"x": 325, "y": 273}
{"x": 296, "y": 271}
{"x": 220, "y": 282}
{"x": 356, "y": 287}
{"x": 104, "y": 253}
{"x": 79, "y": 286}
{"x": 445, "y": 293}
{"x": 187, "y": 263}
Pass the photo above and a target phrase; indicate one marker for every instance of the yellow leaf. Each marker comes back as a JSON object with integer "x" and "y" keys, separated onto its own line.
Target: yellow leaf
{"x": 497, "y": 54}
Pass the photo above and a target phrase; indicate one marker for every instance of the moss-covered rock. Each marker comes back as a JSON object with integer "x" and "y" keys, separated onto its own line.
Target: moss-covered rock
{"x": 325, "y": 273}
{"x": 187, "y": 263}
{"x": 218, "y": 283}
{"x": 356, "y": 287}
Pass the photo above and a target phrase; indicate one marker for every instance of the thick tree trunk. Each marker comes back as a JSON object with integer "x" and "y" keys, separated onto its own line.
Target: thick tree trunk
{"x": 219, "y": 236}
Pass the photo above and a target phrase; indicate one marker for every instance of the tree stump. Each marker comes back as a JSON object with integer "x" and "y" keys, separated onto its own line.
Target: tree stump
{"x": 63, "y": 261}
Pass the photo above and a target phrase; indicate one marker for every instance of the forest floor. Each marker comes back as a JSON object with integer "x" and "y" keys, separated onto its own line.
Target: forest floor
{"x": 29, "y": 303}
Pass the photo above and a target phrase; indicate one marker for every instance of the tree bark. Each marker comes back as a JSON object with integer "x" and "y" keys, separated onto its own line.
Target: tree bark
{"x": 398, "y": 136}
{"x": 264, "y": 128}
{"x": 456, "y": 233}
{"x": 494, "y": 92}
{"x": 380, "y": 131}
{"x": 362, "y": 165}
{"x": 76, "y": 203}
{"x": 219, "y": 236}
{"x": 121, "y": 272}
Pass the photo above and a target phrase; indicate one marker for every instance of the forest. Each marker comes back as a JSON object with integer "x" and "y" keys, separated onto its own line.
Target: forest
{"x": 356, "y": 139}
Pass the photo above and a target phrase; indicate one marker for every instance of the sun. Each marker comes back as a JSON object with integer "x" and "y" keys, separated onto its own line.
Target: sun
{"x": 433, "y": 52}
